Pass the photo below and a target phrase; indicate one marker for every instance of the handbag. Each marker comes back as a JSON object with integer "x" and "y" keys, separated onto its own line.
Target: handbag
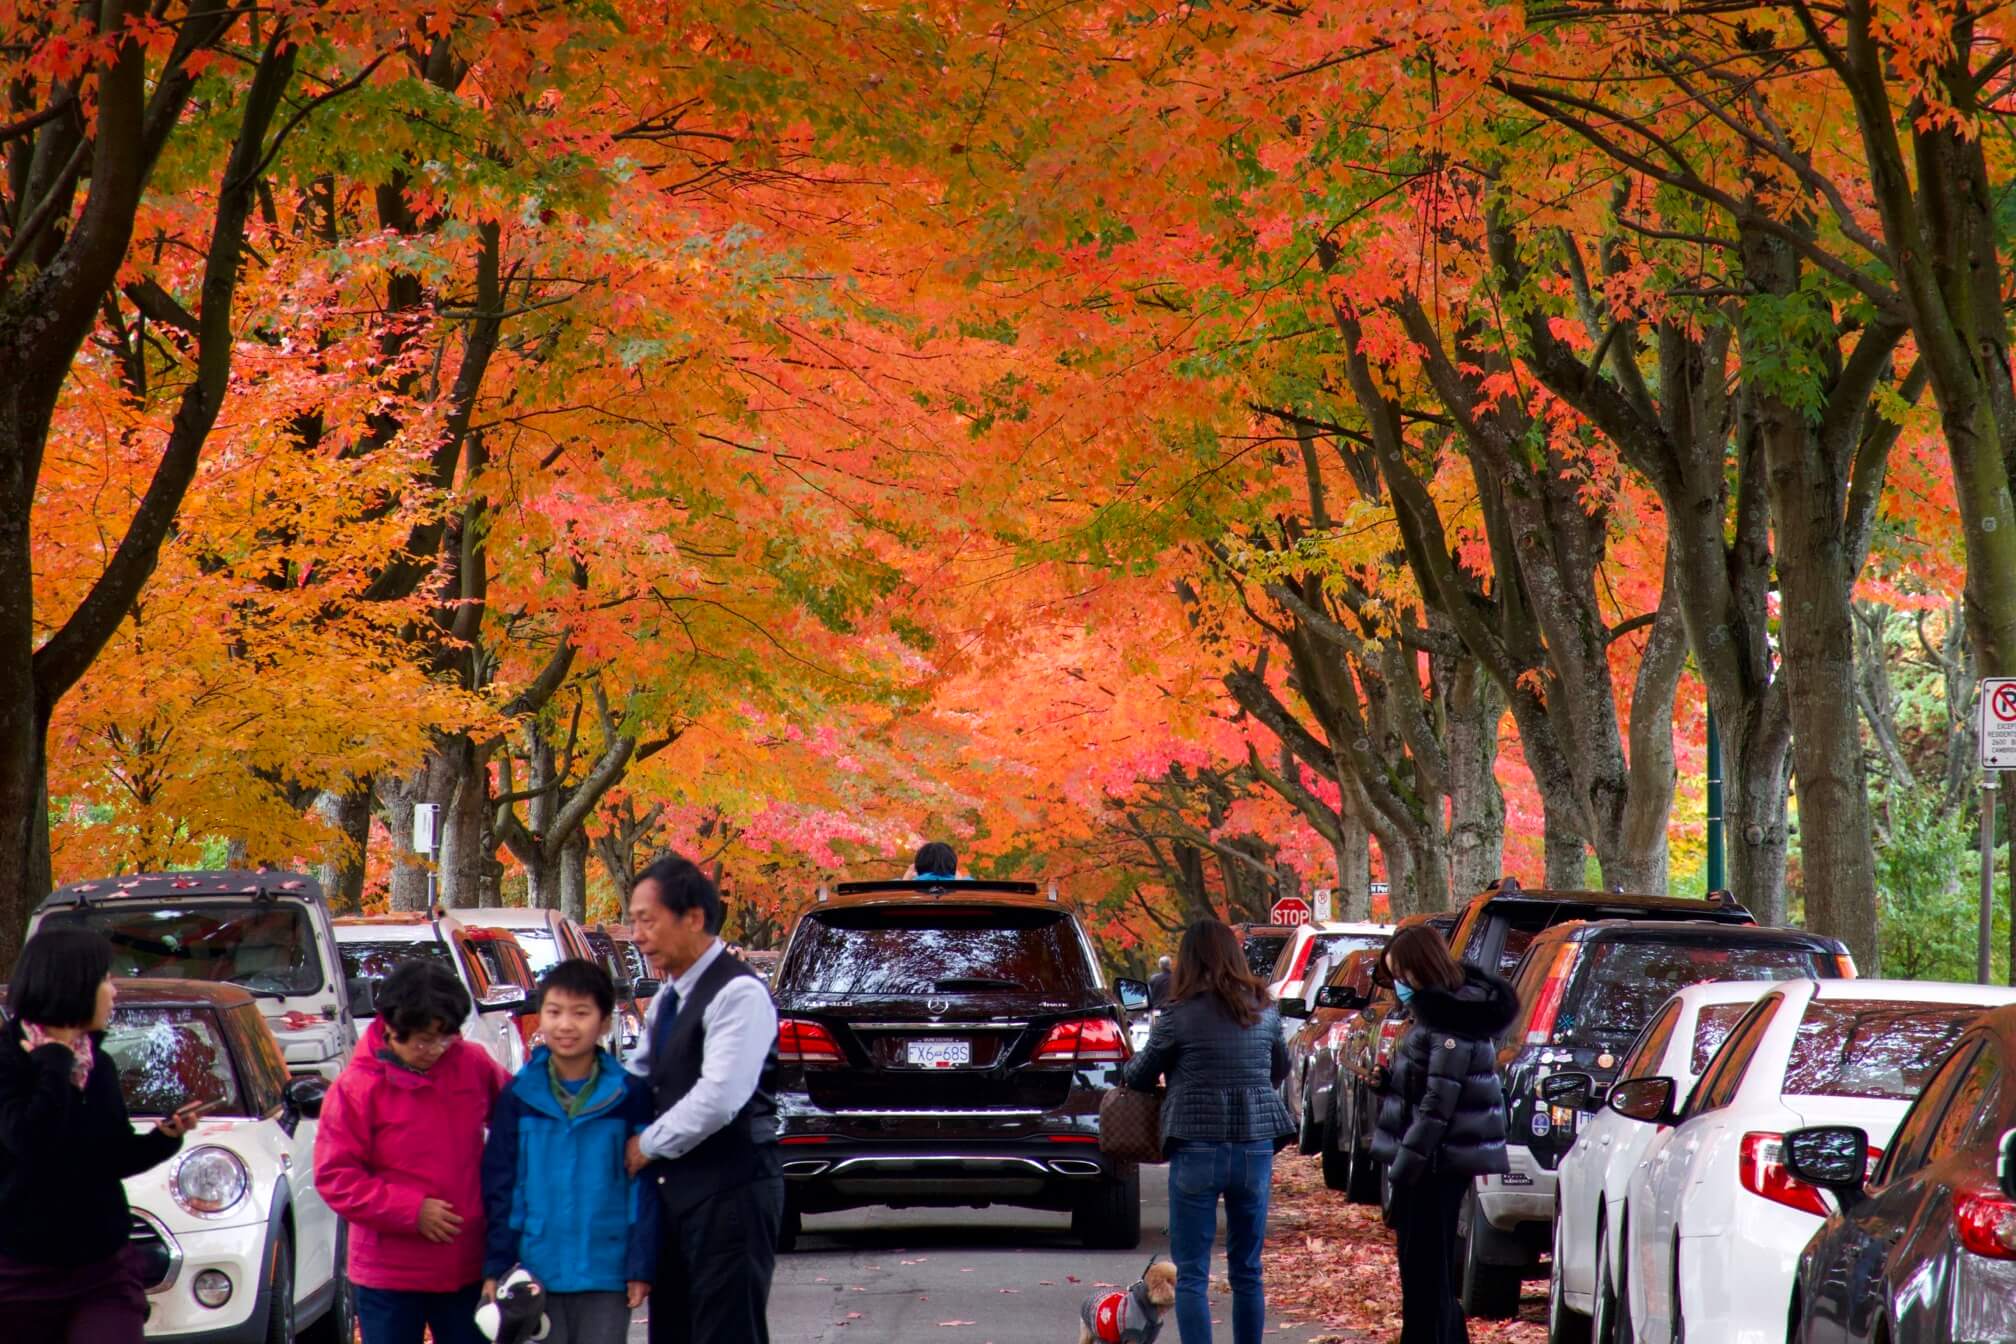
{"x": 1130, "y": 1125}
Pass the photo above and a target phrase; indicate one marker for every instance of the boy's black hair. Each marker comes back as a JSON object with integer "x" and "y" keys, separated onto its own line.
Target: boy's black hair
{"x": 682, "y": 887}
{"x": 583, "y": 979}
{"x": 55, "y": 982}
{"x": 419, "y": 995}
{"x": 936, "y": 859}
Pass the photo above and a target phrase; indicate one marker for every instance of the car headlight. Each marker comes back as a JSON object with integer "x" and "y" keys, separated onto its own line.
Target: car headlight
{"x": 209, "y": 1181}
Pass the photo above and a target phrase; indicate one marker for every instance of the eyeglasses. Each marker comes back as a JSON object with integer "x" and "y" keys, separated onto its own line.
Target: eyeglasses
{"x": 427, "y": 1042}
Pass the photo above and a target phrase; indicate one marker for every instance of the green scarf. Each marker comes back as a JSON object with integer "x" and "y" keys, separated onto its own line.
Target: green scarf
{"x": 572, "y": 1102}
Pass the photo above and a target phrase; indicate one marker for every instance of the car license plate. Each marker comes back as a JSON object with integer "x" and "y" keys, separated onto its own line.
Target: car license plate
{"x": 940, "y": 1054}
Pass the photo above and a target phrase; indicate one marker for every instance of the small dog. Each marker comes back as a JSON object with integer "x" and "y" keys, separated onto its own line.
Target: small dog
{"x": 1130, "y": 1317}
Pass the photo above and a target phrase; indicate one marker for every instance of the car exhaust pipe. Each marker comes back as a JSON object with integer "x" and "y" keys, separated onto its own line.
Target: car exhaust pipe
{"x": 1074, "y": 1166}
{"x": 807, "y": 1167}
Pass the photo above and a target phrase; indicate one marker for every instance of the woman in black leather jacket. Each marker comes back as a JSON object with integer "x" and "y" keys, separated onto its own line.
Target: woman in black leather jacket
{"x": 1441, "y": 1119}
{"x": 1219, "y": 1044}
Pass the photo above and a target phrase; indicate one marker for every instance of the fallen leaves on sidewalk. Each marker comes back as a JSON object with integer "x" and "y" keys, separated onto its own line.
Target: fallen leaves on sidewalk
{"x": 1331, "y": 1263}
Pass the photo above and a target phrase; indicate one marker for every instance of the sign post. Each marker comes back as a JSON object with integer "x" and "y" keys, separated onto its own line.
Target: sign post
{"x": 1996, "y": 731}
{"x": 1290, "y": 910}
{"x": 426, "y": 840}
{"x": 1322, "y": 905}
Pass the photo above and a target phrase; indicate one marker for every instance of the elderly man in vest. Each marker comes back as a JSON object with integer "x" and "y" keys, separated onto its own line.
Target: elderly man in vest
{"x": 710, "y": 1157}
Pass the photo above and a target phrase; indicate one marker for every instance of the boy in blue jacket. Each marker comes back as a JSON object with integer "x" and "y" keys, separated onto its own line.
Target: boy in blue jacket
{"x": 555, "y": 1193}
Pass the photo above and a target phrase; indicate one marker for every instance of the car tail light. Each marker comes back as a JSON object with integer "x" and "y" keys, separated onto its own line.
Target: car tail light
{"x": 1390, "y": 1032}
{"x": 802, "y": 1042}
{"x": 1761, "y": 1169}
{"x": 1074, "y": 1138}
{"x": 1844, "y": 966}
{"x": 1986, "y": 1221}
{"x": 806, "y": 1138}
{"x": 1547, "y": 1004}
{"x": 1084, "y": 1040}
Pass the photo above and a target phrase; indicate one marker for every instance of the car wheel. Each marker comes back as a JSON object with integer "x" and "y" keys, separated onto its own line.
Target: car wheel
{"x": 337, "y": 1325}
{"x": 1364, "y": 1186}
{"x": 1336, "y": 1159}
{"x": 1307, "y": 1141}
{"x": 1386, "y": 1214}
{"x": 1679, "y": 1308}
{"x": 1604, "y": 1321}
{"x": 1109, "y": 1218}
{"x": 791, "y": 1226}
{"x": 1565, "y": 1325}
{"x": 1490, "y": 1292}
{"x": 280, "y": 1292}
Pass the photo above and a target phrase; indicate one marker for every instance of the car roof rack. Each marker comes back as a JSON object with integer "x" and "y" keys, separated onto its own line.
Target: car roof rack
{"x": 936, "y": 887}
{"x": 262, "y": 884}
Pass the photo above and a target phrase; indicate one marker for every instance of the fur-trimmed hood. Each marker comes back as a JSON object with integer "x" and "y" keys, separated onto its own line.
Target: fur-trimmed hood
{"x": 1480, "y": 1010}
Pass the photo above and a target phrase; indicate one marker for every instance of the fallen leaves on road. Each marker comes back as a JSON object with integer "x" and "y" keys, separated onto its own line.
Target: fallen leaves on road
{"x": 1331, "y": 1263}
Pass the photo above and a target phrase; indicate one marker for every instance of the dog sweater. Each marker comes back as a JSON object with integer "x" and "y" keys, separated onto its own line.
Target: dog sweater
{"x": 1122, "y": 1317}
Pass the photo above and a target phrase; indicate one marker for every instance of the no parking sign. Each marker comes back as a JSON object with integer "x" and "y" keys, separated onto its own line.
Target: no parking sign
{"x": 1997, "y": 723}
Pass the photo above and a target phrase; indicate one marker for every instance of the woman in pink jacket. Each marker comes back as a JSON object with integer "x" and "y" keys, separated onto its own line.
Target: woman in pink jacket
{"x": 399, "y": 1157}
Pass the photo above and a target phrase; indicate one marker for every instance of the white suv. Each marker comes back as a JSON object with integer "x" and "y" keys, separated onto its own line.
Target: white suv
{"x": 233, "y": 1239}
{"x": 1310, "y": 943}
{"x": 372, "y": 945}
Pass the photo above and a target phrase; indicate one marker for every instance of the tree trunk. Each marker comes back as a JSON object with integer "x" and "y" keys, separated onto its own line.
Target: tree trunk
{"x": 342, "y": 879}
{"x": 1565, "y": 854}
{"x": 1473, "y": 709}
{"x": 464, "y": 795}
{"x": 409, "y": 871}
{"x": 1756, "y": 754}
{"x": 574, "y": 877}
{"x": 1354, "y": 868}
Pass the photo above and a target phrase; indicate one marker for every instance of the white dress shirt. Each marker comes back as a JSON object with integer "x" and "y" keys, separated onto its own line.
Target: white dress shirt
{"x": 741, "y": 1026}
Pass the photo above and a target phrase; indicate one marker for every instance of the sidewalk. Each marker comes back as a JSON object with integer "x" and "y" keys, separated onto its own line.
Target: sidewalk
{"x": 1331, "y": 1263}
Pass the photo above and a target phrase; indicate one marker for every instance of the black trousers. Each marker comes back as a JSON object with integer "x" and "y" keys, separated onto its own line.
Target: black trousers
{"x": 1424, "y": 1224}
{"x": 714, "y": 1265}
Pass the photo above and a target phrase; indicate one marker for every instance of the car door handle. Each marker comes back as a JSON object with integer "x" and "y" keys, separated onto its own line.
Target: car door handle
{"x": 1603, "y": 1142}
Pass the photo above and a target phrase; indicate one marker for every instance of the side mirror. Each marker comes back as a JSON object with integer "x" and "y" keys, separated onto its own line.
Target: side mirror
{"x": 503, "y": 999}
{"x": 1568, "y": 1089}
{"x": 363, "y": 997}
{"x": 2006, "y": 1169}
{"x": 644, "y": 987}
{"x": 1833, "y": 1157}
{"x": 304, "y": 1095}
{"x": 1133, "y": 994}
{"x": 1293, "y": 1007}
{"x": 1340, "y": 996}
{"x": 1649, "y": 1100}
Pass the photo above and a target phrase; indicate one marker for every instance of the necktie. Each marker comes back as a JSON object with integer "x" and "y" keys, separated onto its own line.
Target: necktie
{"x": 661, "y": 1030}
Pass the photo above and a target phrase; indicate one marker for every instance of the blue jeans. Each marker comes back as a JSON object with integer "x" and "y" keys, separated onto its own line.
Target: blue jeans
{"x": 1198, "y": 1174}
{"x": 389, "y": 1316}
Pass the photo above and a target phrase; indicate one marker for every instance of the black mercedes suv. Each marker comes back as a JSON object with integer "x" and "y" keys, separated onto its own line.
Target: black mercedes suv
{"x": 946, "y": 1043}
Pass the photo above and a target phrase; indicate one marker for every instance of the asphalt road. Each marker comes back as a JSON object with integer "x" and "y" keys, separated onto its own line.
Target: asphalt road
{"x": 966, "y": 1276}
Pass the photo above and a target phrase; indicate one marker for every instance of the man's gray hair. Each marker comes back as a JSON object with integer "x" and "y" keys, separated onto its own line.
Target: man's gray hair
{"x": 1165, "y": 963}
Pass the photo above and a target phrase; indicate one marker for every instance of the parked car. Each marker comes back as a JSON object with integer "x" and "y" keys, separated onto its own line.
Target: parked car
{"x": 1586, "y": 989}
{"x": 946, "y": 1046}
{"x": 1926, "y": 1250}
{"x": 1262, "y": 944}
{"x": 1590, "y": 1187}
{"x": 548, "y": 936}
{"x": 1716, "y": 1221}
{"x": 1365, "y": 1049}
{"x": 1496, "y": 925}
{"x": 232, "y": 1239}
{"x": 1310, "y": 1087}
{"x": 267, "y": 932}
{"x": 622, "y": 960}
{"x": 504, "y": 963}
{"x": 371, "y": 945}
{"x": 1314, "y": 942}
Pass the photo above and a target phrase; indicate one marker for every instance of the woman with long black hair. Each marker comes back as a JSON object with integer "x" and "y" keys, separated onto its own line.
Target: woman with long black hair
{"x": 1218, "y": 1042}
{"x": 65, "y": 1145}
{"x": 1441, "y": 1119}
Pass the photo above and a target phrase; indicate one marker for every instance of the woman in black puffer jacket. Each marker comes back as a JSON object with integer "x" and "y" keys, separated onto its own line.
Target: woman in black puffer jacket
{"x": 1441, "y": 1119}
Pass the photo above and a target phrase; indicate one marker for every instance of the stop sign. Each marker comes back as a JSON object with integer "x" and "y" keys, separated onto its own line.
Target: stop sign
{"x": 1289, "y": 910}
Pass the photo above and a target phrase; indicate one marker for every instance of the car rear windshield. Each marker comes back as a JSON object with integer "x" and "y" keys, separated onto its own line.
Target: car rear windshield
{"x": 910, "y": 952}
{"x": 1334, "y": 947}
{"x": 1872, "y": 1048}
{"x": 168, "y": 1057}
{"x": 1620, "y": 983}
{"x": 365, "y": 964}
{"x": 266, "y": 946}
{"x": 540, "y": 949}
{"x": 1263, "y": 950}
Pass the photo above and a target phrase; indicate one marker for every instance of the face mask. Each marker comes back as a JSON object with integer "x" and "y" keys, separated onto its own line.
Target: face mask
{"x": 1404, "y": 992}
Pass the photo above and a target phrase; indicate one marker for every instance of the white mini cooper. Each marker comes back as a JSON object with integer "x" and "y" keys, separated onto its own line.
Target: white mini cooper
{"x": 237, "y": 1244}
